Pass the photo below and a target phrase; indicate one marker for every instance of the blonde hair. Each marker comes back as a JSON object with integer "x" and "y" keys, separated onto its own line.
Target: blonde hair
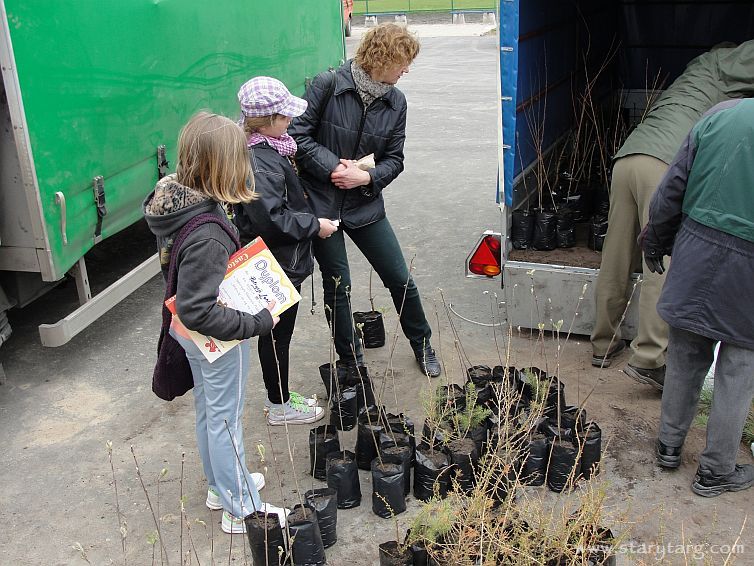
{"x": 384, "y": 46}
{"x": 212, "y": 159}
{"x": 252, "y": 124}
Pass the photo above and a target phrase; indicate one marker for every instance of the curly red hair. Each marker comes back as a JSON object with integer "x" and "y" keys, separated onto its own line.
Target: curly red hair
{"x": 386, "y": 45}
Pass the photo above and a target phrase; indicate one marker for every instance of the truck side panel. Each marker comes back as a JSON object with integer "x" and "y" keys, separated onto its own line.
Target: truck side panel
{"x": 104, "y": 84}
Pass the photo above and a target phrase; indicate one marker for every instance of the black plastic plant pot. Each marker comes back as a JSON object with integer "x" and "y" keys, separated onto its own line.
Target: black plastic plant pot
{"x": 571, "y": 418}
{"x": 555, "y": 396}
{"x": 265, "y": 538}
{"x": 358, "y": 377}
{"x": 400, "y": 455}
{"x": 451, "y": 398}
{"x": 522, "y": 229}
{"x": 400, "y": 423}
{"x": 344, "y": 409}
{"x": 431, "y": 473}
{"x": 388, "y": 499}
{"x": 602, "y": 552}
{"x": 371, "y": 327}
{"x": 465, "y": 457}
{"x": 545, "y": 231}
{"x": 561, "y": 468}
{"x": 322, "y": 441}
{"x": 565, "y": 231}
{"x": 392, "y": 554}
{"x": 484, "y": 392}
{"x": 420, "y": 554}
{"x": 535, "y": 460}
{"x": 435, "y": 436}
{"x": 597, "y": 232}
{"x": 325, "y": 502}
{"x": 343, "y": 477}
{"x": 479, "y": 436}
{"x": 590, "y": 441}
{"x": 480, "y": 374}
{"x": 368, "y": 437}
{"x": 330, "y": 374}
{"x": 307, "y": 547}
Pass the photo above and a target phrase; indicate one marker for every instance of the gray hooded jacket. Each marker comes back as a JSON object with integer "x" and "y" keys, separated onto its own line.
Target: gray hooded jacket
{"x": 202, "y": 262}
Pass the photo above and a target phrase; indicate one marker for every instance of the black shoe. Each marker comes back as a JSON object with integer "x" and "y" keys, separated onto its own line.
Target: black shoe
{"x": 668, "y": 456}
{"x": 654, "y": 377}
{"x": 428, "y": 362}
{"x": 607, "y": 359}
{"x": 709, "y": 485}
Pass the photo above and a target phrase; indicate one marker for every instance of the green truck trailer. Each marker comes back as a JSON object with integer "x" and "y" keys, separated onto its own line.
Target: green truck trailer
{"x": 93, "y": 96}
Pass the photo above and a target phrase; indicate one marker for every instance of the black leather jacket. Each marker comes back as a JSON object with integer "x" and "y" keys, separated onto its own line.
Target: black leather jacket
{"x": 281, "y": 215}
{"x": 345, "y": 129}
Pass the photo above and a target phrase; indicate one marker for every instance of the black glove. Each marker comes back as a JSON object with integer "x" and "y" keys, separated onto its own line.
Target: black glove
{"x": 653, "y": 257}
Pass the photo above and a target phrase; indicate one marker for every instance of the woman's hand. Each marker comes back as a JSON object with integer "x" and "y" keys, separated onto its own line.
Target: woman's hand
{"x": 326, "y": 227}
{"x": 348, "y": 176}
{"x": 270, "y": 307}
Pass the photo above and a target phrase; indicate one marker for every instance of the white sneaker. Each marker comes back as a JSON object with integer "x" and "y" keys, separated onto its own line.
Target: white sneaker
{"x": 213, "y": 497}
{"x": 296, "y": 399}
{"x": 294, "y": 413}
{"x": 235, "y": 525}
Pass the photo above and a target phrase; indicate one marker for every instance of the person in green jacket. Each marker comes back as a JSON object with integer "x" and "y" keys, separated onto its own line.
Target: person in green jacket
{"x": 715, "y": 76}
{"x": 703, "y": 214}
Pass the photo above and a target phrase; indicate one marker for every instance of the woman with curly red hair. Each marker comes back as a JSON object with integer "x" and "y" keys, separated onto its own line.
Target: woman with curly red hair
{"x": 352, "y": 113}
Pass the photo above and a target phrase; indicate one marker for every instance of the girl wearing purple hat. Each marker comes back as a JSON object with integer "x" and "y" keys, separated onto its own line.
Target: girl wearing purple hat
{"x": 282, "y": 217}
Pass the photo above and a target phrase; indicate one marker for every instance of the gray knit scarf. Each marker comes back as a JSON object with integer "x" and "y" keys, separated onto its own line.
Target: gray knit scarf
{"x": 369, "y": 90}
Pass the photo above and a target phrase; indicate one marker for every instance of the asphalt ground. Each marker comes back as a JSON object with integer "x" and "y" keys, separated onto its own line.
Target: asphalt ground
{"x": 60, "y": 407}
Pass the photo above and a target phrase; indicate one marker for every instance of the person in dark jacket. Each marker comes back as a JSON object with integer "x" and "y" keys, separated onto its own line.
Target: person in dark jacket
{"x": 723, "y": 73}
{"x": 703, "y": 215}
{"x": 283, "y": 218}
{"x": 353, "y": 113}
{"x": 212, "y": 170}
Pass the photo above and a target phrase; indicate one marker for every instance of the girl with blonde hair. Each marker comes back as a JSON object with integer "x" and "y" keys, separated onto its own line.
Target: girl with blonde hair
{"x": 212, "y": 171}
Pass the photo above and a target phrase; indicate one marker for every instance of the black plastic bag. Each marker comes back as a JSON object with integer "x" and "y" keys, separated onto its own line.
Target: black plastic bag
{"x": 400, "y": 423}
{"x": 325, "y": 502}
{"x": 597, "y": 232}
{"x": 451, "y": 398}
{"x": 368, "y": 437}
{"x": 344, "y": 409}
{"x": 358, "y": 377}
{"x": 322, "y": 441}
{"x": 370, "y": 327}
{"x": 579, "y": 205}
{"x": 392, "y": 554}
{"x": 555, "y": 397}
{"x": 265, "y": 538}
{"x": 387, "y": 489}
{"x": 479, "y": 436}
{"x": 432, "y": 468}
{"x": 561, "y": 468}
{"x": 535, "y": 460}
{"x": 522, "y": 229}
{"x": 601, "y": 199}
{"x": 436, "y": 436}
{"x": 465, "y": 458}
{"x": 479, "y": 374}
{"x": 590, "y": 442}
{"x": 307, "y": 547}
{"x": 565, "y": 229}
{"x": 330, "y": 375}
{"x": 545, "y": 231}
{"x": 400, "y": 455}
{"x": 343, "y": 477}
{"x": 571, "y": 418}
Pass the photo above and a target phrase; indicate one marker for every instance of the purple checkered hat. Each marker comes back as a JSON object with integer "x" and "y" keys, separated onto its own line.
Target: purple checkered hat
{"x": 265, "y": 96}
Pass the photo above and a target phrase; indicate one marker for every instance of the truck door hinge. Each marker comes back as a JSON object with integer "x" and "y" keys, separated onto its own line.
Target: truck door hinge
{"x": 162, "y": 162}
{"x": 98, "y": 185}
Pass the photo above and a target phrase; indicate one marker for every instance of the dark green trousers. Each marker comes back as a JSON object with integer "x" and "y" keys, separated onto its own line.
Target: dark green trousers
{"x": 379, "y": 245}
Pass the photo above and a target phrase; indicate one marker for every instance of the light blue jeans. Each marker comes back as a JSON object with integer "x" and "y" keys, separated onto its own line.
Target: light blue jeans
{"x": 219, "y": 389}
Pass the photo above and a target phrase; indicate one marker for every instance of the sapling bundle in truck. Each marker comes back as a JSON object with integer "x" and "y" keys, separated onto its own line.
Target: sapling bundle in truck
{"x": 575, "y": 79}
{"x": 92, "y": 98}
